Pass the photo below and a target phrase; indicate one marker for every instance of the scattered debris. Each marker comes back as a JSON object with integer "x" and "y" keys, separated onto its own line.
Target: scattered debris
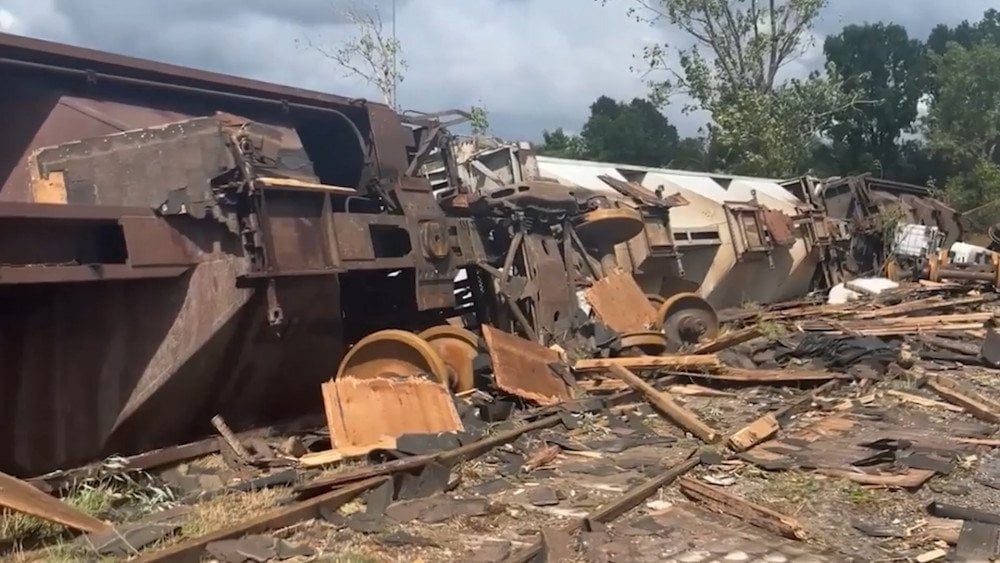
{"x": 674, "y": 411}
{"x": 720, "y": 501}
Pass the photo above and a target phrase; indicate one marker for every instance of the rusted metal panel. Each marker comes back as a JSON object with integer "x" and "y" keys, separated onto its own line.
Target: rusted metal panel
{"x": 50, "y": 118}
{"x": 389, "y": 141}
{"x": 12, "y": 275}
{"x": 139, "y": 167}
{"x": 779, "y": 226}
{"x": 362, "y": 411}
{"x": 96, "y": 369}
{"x": 521, "y": 368}
{"x": 153, "y": 241}
{"x": 36, "y": 50}
{"x": 621, "y": 304}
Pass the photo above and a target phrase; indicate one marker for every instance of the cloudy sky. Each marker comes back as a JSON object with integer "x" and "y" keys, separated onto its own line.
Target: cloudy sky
{"x": 534, "y": 64}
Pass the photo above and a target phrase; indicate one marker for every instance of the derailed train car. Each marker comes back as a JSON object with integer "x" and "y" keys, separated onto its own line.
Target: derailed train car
{"x": 176, "y": 244}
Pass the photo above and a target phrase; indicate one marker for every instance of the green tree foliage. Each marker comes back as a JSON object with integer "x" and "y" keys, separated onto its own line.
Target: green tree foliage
{"x": 628, "y": 133}
{"x": 558, "y": 144}
{"x": 479, "y": 120}
{"x": 762, "y": 124}
{"x": 963, "y": 124}
{"x": 887, "y": 68}
{"x": 966, "y": 34}
{"x": 632, "y": 133}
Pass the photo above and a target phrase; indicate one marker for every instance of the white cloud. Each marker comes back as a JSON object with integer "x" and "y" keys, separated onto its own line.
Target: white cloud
{"x": 534, "y": 64}
{"x": 8, "y": 22}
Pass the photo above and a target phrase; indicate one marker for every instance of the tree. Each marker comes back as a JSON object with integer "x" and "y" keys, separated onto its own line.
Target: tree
{"x": 373, "y": 55}
{"x": 560, "y": 145}
{"x": 889, "y": 69}
{"x": 963, "y": 123}
{"x": 632, "y": 133}
{"x": 479, "y": 120}
{"x": 761, "y": 124}
{"x": 986, "y": 30}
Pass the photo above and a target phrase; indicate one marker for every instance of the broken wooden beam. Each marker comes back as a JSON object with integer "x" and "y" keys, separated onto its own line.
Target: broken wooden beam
{"x": 326, "y": 457}
{"x": 754, "y": 433}
{"x": 951, "y": 344}
{"x": 447, "y": 458}
{"x": 677, "y": 362}
{"x": 923, "y": 401}
{"x": 616, "y": 508}
{"x": 675, "y": 412}
{"x": 20, "y": 496}
{"x": 978, "y": 406}
{"x": 768, "y": 375}
{"x": 727, "y": 340}
{"x": 192, "y": 549}
{"x": 715, "y": 499}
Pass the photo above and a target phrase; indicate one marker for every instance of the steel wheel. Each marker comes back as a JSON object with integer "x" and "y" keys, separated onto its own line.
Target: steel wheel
{"x": 686, "y": 318}
{"x": 393, "y": 353}
{"x": 458, "y": 348}
{"x": 651, "y": 342}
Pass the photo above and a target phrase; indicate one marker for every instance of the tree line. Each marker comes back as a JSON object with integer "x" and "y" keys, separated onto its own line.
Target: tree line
{"x": 924, "y": 111}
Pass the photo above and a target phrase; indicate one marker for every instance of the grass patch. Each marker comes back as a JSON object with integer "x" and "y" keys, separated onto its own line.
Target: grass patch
{"x": 789, "y": 491}
{"x": 225, "y": 510}
{"x": 771, "y": 329}
{"x": 859, "y": 496}
{"x": 113, "y": 496}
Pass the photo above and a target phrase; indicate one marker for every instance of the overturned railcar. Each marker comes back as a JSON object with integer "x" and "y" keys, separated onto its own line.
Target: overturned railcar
{"x": 176, "y": 244}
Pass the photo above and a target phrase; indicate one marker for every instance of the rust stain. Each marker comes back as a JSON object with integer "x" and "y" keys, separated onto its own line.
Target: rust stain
{"x": 620, "y": 303}
{"x": 363, "y": 412}
{"x": 521, "y": 367}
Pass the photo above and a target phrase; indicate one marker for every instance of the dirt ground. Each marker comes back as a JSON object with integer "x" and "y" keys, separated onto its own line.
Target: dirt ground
{"x": 493, "y": 508}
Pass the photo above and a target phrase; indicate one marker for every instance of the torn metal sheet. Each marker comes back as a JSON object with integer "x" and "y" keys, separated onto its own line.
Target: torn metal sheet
{"x": 620, "y": 303}
{"x": 521, "y": 368}
{"x": 363, "y": 412}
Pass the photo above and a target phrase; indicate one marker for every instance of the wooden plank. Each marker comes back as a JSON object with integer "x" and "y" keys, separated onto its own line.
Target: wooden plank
{"x": 977, "y": 405}
{"x": 754, "y": 433}
{"x": 192, "y": 549}
{"x": 363, "y": 412}
{"x": 718, "y": 500}
{"x": 609, "y": 512}
{"x": 293, "y": 184}
{"x": 910, "y": 479}
{"x": 18, "y": 495}
{"x": 620, "y": 303}
{"x": 727, "y": 340}
{"x": 648, "y": 362}
{"x": 923, "y": 305}
{"x": 923, "y": 401}
{"x": 676, "y": 413}
{"x": 769, "y": 376}
{"x": 326, "y": 457}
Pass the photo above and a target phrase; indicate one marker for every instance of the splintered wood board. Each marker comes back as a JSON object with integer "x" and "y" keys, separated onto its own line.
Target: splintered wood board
{"x": 18, "y": 495}
{"x": 363, "y": 412}
{"x": 620, "y": 303}
{"x": 521, "y": 368}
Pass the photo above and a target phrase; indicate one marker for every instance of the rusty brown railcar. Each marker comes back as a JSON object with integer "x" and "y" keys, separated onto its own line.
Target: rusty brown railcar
{"x": 176, "y": 244}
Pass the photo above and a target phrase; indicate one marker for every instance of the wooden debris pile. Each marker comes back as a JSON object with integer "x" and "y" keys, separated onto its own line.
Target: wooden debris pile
{"x": 413, "y": 420}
